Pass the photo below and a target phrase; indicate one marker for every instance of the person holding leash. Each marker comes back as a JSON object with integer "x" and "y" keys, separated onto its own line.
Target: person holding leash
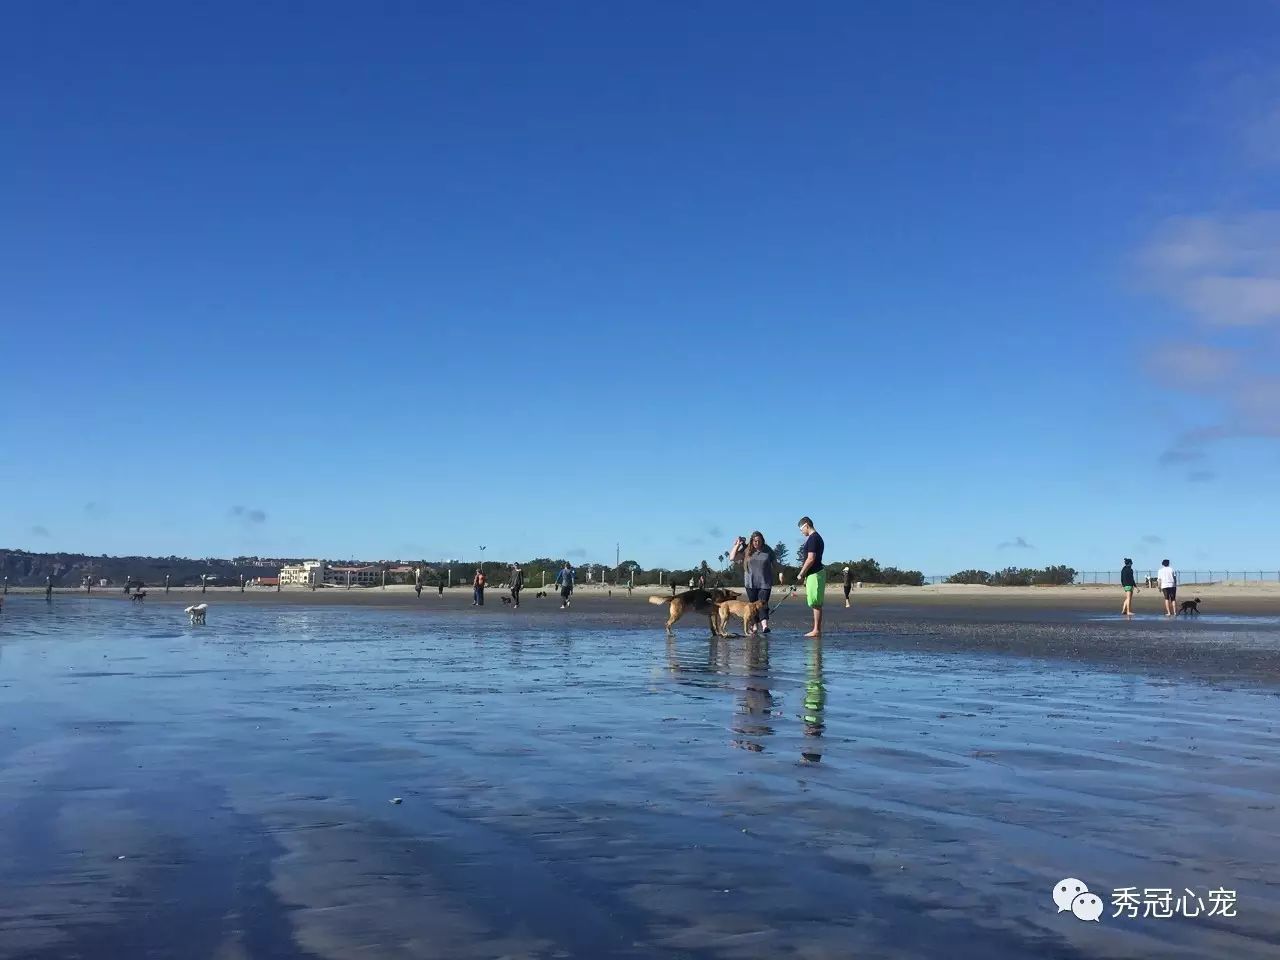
{"x": 812, "y": 573}
{"x": 1169, "y": 587}
{"x": 756, "y": 557}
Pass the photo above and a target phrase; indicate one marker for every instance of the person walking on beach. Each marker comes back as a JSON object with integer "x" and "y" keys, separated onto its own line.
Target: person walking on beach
{"x": 1169, "y": 587}
{"x": 517, "y": 584}
{"x": 848, "y": 585}
{"x": 564, "y": 580}
{"x": 756, "y": 557}
{"x": 1129, "y": 584}
{"x": 477, "y": 588}
{"x": 812, "y": 573}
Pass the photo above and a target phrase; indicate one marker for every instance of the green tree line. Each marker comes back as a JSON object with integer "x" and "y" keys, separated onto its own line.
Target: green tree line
{"x": 1056, "y": 576}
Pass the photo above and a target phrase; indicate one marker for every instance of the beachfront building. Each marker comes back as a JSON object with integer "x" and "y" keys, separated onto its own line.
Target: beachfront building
{"x": 353, "y": 576}
{"x": 308, "y": 574}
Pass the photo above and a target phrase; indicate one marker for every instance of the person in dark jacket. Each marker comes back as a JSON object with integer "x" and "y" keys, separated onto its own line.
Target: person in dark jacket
{"x": 517, "y": 584}
{"x": 1129, "y": 584}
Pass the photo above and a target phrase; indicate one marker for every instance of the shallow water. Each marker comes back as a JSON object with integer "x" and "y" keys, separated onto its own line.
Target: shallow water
{"x": 577, "y": 790}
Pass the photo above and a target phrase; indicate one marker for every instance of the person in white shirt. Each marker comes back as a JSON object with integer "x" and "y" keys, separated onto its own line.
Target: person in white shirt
{"x": 1169, "y": 587}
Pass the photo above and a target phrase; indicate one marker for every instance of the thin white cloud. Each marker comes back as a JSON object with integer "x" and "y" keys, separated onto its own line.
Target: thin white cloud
{"x": 1223, "y": 271}
{"x": 1193, "y": 366}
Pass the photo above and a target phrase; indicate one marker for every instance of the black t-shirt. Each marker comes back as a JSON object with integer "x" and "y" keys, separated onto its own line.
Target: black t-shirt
{"x": 815, "y": 546}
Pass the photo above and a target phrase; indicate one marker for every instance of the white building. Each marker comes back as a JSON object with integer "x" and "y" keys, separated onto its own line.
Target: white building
{"x": 308, "y": 574}
{"x": 353, "y": 576}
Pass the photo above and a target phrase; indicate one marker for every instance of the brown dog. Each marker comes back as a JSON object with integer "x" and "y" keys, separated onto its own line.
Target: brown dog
{"x": 748, "y": 612}
{"x": 698, "y": 601}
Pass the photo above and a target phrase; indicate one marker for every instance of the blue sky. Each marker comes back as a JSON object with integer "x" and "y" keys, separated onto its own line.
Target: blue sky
{"x": 396, "y": 280}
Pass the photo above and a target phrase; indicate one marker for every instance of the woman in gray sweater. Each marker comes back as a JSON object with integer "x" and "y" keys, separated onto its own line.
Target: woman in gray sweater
{"x": 758, "y": 570}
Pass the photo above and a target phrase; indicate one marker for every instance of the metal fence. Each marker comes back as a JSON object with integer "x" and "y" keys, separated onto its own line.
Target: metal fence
{"x": 1185, "y": 577}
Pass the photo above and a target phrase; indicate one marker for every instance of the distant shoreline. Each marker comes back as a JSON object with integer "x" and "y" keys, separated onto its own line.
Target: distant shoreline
{"x": 1226, "y": 598}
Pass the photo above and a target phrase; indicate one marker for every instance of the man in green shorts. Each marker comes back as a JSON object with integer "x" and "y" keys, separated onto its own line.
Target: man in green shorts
{"x": 1129, "y": 583}
{"x": 812, "y": 573}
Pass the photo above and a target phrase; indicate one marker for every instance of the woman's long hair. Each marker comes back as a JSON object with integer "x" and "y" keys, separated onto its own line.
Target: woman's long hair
{"x": 750, "y": 543}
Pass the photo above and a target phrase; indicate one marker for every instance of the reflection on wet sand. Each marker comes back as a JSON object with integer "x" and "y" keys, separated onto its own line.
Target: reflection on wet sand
{"x": 755, "y": 702}
{"x": 815, "y": 701}
{"x": 590, "y": 793}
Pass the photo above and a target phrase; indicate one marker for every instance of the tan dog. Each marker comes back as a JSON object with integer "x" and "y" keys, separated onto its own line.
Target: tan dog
{"x": 748, "y": 612}
{"x": 698, "y": 601}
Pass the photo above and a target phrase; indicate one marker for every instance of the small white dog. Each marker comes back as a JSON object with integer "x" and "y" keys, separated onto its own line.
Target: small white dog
{"x": 196, "y": 613}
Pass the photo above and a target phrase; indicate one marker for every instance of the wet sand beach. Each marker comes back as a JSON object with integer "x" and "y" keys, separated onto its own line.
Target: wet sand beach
{"x": 1071, "y": 623}
{"x": 578, "y": 785}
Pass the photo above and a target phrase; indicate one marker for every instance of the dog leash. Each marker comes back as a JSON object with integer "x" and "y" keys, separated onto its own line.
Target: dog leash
{"x": 784, "y": 599}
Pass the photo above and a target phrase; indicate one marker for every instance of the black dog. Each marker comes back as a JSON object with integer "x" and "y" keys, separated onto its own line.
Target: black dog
{"x": 506, "y": 600}
{"x": 539, "y": 595}
{"x": 1189, "y": 607}
{"x": 139, "y": 596}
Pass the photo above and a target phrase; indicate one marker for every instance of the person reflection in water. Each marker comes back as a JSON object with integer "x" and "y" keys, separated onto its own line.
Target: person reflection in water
{"x": 815, "y": 702}
{"x": 755, "y": 705}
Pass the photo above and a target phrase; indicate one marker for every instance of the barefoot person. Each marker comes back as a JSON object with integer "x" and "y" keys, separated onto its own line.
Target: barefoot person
{"x": 812, "y": 573}
{"x": 1169, "y": 587}
{"x": 848, "y": 585}
{"x": 564, "y": 579}
{"x": 756, "y": 557}
{"x": 1129, "y": 584}
{"x": 477, "y": 588}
